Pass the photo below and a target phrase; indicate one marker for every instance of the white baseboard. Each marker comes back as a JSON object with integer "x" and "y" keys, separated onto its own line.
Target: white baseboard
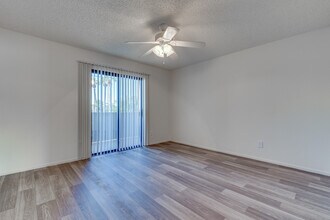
{"x": 47, "y": 165}
{"x": 158, "y": 142}
{"x": 206, "y": 148}
{"x": 39, "y": 166}
{"x": 263, "y": 160}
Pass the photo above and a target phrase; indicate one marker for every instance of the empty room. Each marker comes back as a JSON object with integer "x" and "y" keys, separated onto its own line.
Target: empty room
{"x": 164, "y": 109}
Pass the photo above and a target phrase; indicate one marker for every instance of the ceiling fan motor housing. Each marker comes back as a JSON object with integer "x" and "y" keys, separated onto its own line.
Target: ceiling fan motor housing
{"x": 159, "y": 36}
{"x": 162, "y": 27}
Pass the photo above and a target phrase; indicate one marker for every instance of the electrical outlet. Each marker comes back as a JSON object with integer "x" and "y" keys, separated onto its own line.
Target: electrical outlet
{"x": 260, "y": 144}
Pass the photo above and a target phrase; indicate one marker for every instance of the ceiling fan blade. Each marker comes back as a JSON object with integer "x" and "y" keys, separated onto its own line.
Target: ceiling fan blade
{"x": 192, "y": 44}
{"x": 142, "y": 42}
{"x": 170, "y": 32}
{"x": 148, "y": 52}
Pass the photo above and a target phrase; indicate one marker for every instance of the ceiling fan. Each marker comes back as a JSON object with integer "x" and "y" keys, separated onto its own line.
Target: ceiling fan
{"x": 165, "y": 42}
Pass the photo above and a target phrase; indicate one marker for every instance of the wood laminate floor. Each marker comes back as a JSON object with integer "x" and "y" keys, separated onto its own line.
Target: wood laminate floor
{"x": 167, "y": 181}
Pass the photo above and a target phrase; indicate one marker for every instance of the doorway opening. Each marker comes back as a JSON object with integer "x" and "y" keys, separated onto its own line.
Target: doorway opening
{"x": 118, "y": 112}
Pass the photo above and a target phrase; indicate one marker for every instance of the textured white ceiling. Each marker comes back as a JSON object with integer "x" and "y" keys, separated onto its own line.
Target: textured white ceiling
{"x": 104, "y": 25}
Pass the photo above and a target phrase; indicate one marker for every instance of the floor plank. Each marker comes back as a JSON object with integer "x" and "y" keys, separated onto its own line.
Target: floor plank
{"x": 8, "y": 192}
{"x": 44, "y": 192}
{"x": 8, "y": 214}
{"x": 26, "y": 205}
{"x": 48, "y": 211}
{"x": 177, "y": 209}
{"x": 66, "y": 202}
{"x": 87, "y": 203}
{"x": 26, "y": 180}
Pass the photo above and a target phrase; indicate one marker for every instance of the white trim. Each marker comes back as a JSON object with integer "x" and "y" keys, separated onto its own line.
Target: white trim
{"x": 40, "y": 166}
{"x": 146, "y": 110}
{"x": 115, "y": 69}
{"x": 160, "y": 142}
{"x": 262, "y": 160}
{"x": 84, "y": 110}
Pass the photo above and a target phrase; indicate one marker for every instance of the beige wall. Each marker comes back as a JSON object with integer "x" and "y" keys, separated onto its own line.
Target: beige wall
{"x": 39, "y": 100}
{"x": 278, "y": 93}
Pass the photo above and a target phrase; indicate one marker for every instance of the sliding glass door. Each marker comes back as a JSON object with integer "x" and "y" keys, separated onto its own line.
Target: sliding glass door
{"x": 118, "y": 121}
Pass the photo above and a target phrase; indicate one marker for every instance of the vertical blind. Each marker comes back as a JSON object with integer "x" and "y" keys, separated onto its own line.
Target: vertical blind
{"x": 117, "y": 111}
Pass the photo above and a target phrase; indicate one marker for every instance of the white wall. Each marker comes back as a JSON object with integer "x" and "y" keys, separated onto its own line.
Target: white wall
{"x": 39, "y": 100}
{"x": 278, "y": 93}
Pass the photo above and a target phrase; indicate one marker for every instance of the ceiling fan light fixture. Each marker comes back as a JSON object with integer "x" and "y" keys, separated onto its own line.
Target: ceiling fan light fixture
{"x": 163, "y": 50}
{"x": 165, "y": 41}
